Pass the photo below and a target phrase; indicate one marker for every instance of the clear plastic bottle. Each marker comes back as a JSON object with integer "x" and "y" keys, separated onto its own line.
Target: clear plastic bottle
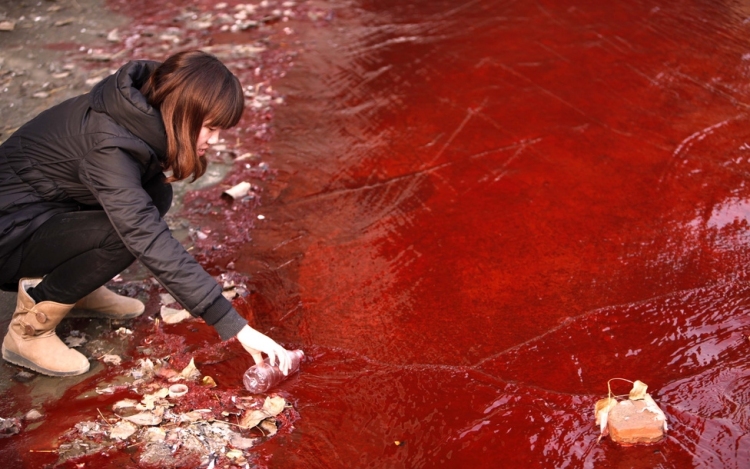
{"x": 262, "y": 377}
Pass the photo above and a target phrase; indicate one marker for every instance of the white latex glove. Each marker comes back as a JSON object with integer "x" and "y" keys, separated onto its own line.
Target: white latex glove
{"x": 256, "y": 343}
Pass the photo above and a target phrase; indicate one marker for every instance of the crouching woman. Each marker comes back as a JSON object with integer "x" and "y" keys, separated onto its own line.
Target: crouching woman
{"x": 83, "y": 193}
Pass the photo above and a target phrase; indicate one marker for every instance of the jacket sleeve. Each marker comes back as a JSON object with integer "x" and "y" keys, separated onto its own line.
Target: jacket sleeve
{"x": 114, "y": 177}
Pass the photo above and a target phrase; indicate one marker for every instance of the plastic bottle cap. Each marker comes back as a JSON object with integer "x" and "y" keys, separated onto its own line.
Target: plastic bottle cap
{"x": 177, "y": 390}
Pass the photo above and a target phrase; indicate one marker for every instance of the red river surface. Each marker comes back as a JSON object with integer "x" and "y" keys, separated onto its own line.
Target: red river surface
{"x": 481, "y": 211}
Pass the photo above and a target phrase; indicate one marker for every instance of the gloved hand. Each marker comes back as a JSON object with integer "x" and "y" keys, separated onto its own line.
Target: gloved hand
{"x": 255, "y": 343}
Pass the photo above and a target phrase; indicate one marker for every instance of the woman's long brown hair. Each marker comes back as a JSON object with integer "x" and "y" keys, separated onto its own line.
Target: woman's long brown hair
{"x": 190, "y": 88}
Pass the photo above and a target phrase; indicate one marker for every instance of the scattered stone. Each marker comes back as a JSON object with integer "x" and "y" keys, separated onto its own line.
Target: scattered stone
{"x": 63, "y": 22}
{"x": 24, "y": 376}
{"x": 9, "y": 427}
{"x": 88, "y": 428}
{"x": 75, "y": 339}
{"x": 157, "y": 454}
{"x": 114, "y": 36}
{"x": 7, "y": 25}
{"x": 123, "y": 332}
{"x": 173, "y": 316}
{"x": 32, "y": 415}
{"x": 112, "y": 359}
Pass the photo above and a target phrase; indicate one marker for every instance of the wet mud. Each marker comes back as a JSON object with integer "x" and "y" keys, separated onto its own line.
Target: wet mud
{"x": 471, "y": 216}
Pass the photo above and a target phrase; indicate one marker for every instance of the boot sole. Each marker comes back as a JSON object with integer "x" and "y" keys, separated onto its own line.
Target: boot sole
{"x": 88, "y": 313}
{"x": 16, "y": 359}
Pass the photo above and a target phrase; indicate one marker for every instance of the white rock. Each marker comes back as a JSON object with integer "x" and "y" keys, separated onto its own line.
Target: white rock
{"x": 173, "y": 316}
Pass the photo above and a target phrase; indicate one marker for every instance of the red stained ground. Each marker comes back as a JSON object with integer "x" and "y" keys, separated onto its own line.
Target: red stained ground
{"x": 480, "y": 212}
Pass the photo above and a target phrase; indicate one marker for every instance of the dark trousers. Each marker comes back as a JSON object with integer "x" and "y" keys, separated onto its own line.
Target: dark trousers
{"x": 76, "y": 252}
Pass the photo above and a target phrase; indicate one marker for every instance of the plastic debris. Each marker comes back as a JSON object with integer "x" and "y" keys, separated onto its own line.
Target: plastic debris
{"x": 239, "y": 190}
{"x": 177, "y": 390}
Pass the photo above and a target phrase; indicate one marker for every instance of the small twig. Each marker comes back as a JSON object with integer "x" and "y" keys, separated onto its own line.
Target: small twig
{"x": 105, "y": 353}
{"x": 135, "y": 444}
{"x": 42, "y": 451}
{"x": 106, "y": 422}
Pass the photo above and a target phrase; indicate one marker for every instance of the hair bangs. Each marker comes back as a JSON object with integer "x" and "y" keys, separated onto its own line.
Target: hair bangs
{"x": 227, "y": 104}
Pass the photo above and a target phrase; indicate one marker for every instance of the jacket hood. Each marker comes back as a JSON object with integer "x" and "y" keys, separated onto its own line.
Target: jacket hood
{"x": 119, "y": 97}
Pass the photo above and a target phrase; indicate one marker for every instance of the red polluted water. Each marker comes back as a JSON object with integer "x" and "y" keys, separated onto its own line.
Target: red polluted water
{"x": 486, "y": 210}
{"x": 480, "y": 212}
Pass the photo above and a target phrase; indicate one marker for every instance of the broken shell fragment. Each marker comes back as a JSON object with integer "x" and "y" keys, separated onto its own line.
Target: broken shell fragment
{"x": 239, "y": 190}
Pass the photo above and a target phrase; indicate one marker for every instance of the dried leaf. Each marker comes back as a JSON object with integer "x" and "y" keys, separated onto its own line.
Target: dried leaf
{"x": 149, "y": 400}
{"x": 639, "y": 391}
{"x": 208, "y": 382}
{"x": 124, "y": 404}
{"x": 144, "y": 418}
{"x": 601, "y": 409}
{"x": 269, "y": 427}
{"x": 272, "y": 407}
{"x": 240, "y": 442}
{"x": 234, "y": 454}
{"x": 122, "y": 430}
{"x": 190, "y": 371}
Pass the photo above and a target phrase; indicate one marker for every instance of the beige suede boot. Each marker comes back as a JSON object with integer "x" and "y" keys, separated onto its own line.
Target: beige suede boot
{"x": 104, "y": 303}
{"x": 31, "y": 341}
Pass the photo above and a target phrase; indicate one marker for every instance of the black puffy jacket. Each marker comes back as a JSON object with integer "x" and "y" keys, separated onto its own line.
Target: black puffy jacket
{"x": 103, "y": 149}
